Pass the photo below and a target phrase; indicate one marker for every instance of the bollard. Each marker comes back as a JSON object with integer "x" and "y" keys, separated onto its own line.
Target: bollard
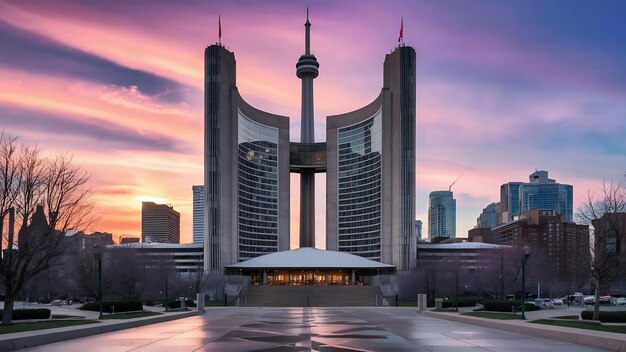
{"x": 438, "y": 303}
{"x": 200, "y": 299}
{"x": 421, "y": 302}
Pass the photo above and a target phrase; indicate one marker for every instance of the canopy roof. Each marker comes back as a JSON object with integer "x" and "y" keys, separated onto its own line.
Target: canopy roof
{"x": 309, "y": 258}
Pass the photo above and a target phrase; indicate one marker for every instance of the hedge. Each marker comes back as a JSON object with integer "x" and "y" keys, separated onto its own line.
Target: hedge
{"x": 605, "y": 317}
{"x": 120, "y": 306}
{"x": 507, "y": 306}
{"x": 22, "y": 314}
{"x": 176, "y": 304}
{"x": 449, "y": 303}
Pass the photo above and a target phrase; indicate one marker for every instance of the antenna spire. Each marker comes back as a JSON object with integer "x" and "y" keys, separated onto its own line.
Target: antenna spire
{"x": 307, "y": 39}
{"x": 219, "y": 25}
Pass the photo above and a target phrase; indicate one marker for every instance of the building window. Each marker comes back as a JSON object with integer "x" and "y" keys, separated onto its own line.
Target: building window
{"x": 611, "y": 243}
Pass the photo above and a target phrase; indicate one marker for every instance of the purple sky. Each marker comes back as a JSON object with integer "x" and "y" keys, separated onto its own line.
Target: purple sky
{"x": 502, "y": 89}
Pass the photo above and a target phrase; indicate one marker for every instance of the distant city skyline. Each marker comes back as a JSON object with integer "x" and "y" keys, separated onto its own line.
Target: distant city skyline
{"x": 501, "y": 89}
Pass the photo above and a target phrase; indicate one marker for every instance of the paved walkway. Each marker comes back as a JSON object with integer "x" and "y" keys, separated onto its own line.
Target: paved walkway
{"x": 316, "y": 329}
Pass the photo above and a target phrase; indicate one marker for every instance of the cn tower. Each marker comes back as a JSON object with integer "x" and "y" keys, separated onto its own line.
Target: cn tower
{"x": 307, "y": 69}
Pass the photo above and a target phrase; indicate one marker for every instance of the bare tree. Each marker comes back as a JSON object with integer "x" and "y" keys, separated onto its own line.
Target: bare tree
{"x": 605, "y": 216}
{"x": 48, "y": 196}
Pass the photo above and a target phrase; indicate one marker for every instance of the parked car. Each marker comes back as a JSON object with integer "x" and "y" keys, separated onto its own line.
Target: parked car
{"x": 605, "y": 299}
{"x": 589, "y": 299}
{"x": 620, "y": 301}
{"x": 557, "y": 301}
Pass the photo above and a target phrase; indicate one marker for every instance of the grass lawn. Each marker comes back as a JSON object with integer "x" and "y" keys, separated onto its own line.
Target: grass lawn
{"x": 39, "y": 325}
{"x": 493, "y": 315}
{"x": 130, "y": 315}
{"x": 582, "y": 325}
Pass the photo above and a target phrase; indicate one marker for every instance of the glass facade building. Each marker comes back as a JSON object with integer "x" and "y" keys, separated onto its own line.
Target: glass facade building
{"x": 551, "y": 196}
{"x": 258, "y": 189}
{"x": 509, "y": 202}
{"x": 540, "y": 192}
{"x": 370, "y": 174}
{"x": 198, "y": 213}
{"x": 441, "y": 215}
{"x": 359, "y": 196}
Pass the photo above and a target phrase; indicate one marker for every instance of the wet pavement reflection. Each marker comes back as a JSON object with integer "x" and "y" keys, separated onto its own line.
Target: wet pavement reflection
{"x": 311, "y": 329}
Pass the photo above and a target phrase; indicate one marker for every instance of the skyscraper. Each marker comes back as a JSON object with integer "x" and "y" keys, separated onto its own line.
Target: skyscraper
{"x": 509, "y": 202}
{"x": 488, "y": 218}
{"x": 370, "y": 180}
{"x": 418, "y": 230}
{"x": 540, "y": 192}
{"x": 159, "y": 223}
{"x": 198, "y": 213}
{"x": 441, "y": 215}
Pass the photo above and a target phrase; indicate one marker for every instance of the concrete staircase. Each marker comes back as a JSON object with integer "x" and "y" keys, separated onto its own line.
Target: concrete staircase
{"x": 312, "y": 296}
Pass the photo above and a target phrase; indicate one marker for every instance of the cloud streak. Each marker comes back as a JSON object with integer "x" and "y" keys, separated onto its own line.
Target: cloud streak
{"x": 31, "y": 52}
{"x": 92, "y": 133}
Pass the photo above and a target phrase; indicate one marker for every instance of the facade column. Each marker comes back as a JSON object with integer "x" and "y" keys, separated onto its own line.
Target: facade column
{"x": 353, "y": 277}
{"x": 265, "y": 277}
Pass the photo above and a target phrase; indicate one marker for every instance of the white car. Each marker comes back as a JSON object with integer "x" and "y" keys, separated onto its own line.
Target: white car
{"x": 620, "y": 301}
{"x": 557, "y": 301}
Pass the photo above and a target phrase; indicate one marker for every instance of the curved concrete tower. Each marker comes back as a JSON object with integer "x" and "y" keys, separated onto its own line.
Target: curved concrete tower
{"x": 307, "y": 69}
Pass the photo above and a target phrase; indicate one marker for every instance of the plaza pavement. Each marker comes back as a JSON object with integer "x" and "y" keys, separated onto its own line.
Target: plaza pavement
{"x": 337, "y": 329}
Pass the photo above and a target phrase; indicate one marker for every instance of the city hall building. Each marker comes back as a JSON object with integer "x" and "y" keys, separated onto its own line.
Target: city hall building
{"x": 368, "y": 158}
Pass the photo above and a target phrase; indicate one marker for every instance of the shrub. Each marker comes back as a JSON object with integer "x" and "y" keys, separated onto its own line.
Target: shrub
{"x": 22, "y": 314}
{"x": 176, "y": 304}
{"x": 606, "y": 317}
{"x": 507, "y": 306}
{"x": 449, "y": 303}
{"x": 107, "y": 306}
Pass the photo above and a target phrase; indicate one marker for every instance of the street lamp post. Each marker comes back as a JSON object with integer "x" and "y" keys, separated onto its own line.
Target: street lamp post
{"x": 166, "y": 302}
{"x": 524, "y": 259}
{"x": 97, "y": 251}
{"x": 457, "y": 287}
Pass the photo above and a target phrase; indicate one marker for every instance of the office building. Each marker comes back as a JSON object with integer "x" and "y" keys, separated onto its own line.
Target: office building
{"x": 488, "y": 218}
{"x": 185, "y": 258}
{"x": 540, "y": 192}
{"x": 370, "y": 179}
{"x": 441, "y": 216}
{"x": 559, "y": 248}
{"x": 418, "y": 230}
{"x": 159, "y": 223}
{"x": 509, "y": 203}
{"x": 543, "y": 193}
{"x": 198, "y": 213}
{"x": 248, "y": 159}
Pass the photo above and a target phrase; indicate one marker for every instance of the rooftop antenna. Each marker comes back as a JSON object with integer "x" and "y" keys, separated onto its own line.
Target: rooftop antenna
{"x": 461, "y": 173}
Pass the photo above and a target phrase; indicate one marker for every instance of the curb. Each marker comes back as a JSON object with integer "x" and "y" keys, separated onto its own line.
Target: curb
{"x": 600, "y": 339}
{"x": 44, "y": 337}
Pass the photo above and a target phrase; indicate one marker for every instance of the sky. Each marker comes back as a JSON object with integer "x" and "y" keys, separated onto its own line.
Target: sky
{"x": 503, "y": 89}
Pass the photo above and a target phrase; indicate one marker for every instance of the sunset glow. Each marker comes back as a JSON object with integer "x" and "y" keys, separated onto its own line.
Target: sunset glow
{"x": 502, "y": 90}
